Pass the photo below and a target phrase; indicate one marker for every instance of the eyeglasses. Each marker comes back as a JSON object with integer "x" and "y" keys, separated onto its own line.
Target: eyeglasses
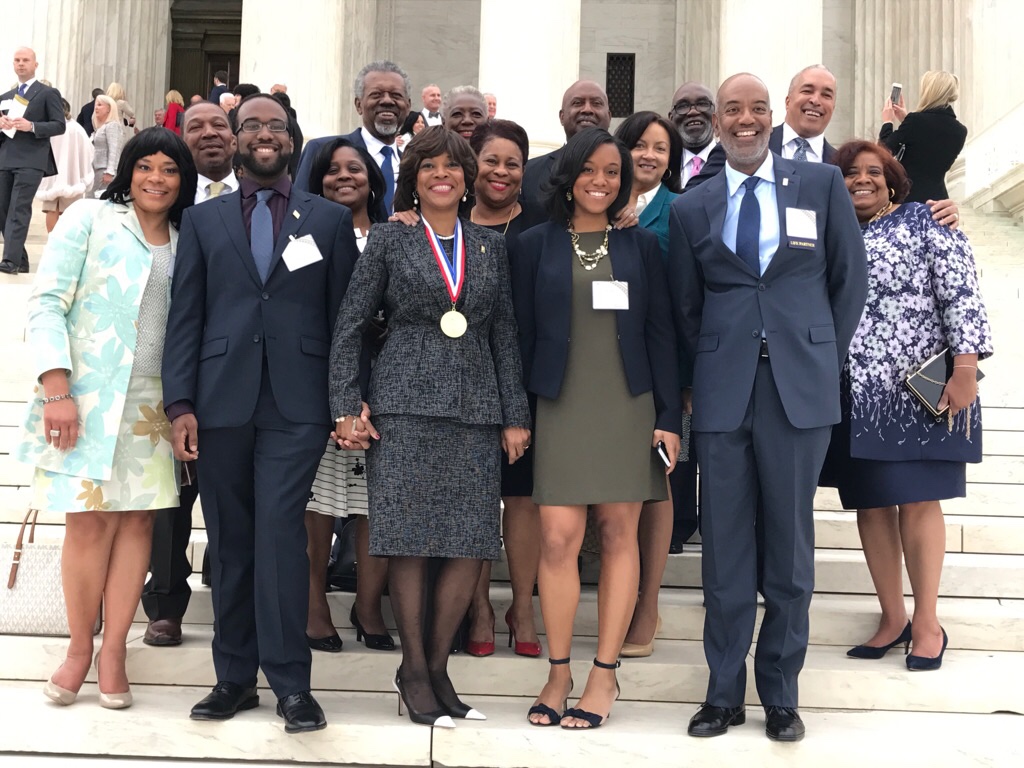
{"x": 254, "y": 126}
{"x": 702, "y": 105}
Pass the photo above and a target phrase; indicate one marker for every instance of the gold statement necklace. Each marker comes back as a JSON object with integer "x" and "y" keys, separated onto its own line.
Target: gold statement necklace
{"x": 885, "y": 209}
{"x": 589, "y": 261}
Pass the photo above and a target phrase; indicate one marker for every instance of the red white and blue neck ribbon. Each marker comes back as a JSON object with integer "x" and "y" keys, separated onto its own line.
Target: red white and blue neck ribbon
{"x": 453, "y": 271}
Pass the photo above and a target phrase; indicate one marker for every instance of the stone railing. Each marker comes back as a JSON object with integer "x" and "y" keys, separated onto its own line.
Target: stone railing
{"x": 994, "y": 167}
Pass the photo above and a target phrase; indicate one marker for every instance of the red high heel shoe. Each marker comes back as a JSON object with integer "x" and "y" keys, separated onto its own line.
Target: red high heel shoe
{"x": 481, "y": 647}
{"x": 522, "y": 649}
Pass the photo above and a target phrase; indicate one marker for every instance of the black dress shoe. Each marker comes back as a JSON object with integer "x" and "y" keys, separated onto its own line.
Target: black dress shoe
{"x": 675, "y": 547}
{"x": 329, "y": 644}
{"x": 9, "y": 267}
{"x": 301, "y": 713}
{"x": 783, "y": 724}
{"x": 224, "y": 701}
{"x": 714, "y": 721}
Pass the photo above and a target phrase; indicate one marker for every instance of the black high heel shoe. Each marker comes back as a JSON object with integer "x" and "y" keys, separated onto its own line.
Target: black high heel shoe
{"x": 438, "y": 718}
{"x": 595, "y": 721}
{"x": 374, "y": 642}
{"x": 543, "y": 709}
{"x": 877, "y": 652}
{"x": 925, "y": 663}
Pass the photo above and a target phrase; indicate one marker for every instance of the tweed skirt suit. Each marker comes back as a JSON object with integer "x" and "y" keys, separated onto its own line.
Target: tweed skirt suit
{"x": 438, "y": 403}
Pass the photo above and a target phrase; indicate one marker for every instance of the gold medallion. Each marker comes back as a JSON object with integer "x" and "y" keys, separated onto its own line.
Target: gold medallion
{"x": 453, "y": 324}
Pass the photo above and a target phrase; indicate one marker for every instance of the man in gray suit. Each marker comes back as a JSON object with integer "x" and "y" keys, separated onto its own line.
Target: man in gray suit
{"x": 769, "y": 277}
{"x": 31, "y": 115}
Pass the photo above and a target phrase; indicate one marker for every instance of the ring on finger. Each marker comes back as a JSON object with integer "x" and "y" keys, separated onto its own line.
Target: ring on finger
{"x": 54, "y": 433}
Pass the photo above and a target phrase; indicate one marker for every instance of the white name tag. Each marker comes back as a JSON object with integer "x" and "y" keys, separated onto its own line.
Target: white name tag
{"x": 611, "y": 294}
{"x": 802, "y": 224}
{"x": 301, "y": 253}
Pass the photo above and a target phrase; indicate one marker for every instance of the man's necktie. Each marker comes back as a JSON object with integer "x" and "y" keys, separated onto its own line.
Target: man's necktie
{"x": 433, "y": 115}
{"x": 695, "y": 164}
{"x": 802, "y": 145}
{"x": 214, "y": 188}
{"x": 261, "y": 233}
{"x": 22, "y": 89}
{"x": 748, "y": 229}
{"x": 389, "y": 178}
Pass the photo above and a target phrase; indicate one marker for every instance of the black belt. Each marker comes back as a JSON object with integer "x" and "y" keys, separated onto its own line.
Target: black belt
{"x": 764, "y": 348}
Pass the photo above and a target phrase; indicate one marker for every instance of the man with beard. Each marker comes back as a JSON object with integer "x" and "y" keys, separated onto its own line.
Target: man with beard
{"x": 692, "y": 108}
{"x": 768, "y": 273}
{"x": 165, "y": 598}
{"x": 258, "y": 279}
{"x": 584, "y": 105}
{"x": 383, "y": 100}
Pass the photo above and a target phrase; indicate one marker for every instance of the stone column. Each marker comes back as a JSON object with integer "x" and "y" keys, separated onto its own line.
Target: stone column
{"x": 698, "y": 29}
{"x": 773, "y": 44}
{"x": 529, "y": 79}
{"x": 319, "y": 66}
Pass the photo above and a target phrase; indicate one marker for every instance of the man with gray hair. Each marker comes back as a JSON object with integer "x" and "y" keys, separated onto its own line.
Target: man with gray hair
{"x": 383, "y": 100}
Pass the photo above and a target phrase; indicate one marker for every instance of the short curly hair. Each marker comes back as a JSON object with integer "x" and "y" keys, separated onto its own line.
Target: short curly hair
{"x": 431, "y": 142}
{"x": 895, "y": 177}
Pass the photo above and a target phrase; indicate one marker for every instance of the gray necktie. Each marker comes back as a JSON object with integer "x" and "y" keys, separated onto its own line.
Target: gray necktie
{"x": 802, "y": 145}
{"x": 261, "y": 233}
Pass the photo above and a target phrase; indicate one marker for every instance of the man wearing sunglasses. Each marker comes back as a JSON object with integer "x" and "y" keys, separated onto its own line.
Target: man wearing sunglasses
{"x": 258, "y": 279}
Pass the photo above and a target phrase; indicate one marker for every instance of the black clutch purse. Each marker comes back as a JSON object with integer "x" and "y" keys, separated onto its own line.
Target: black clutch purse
{"x": 928, "y": 381}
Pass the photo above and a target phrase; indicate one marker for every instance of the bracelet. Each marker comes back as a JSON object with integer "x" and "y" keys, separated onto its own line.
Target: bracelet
{"x": 55, "y": 398}
{"x": 966, "y": 366}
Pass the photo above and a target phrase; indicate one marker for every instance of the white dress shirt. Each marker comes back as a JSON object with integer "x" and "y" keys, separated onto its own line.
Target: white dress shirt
{"x": 766, "y": 196}
{"x": 816, "y": 152}
{"x": 687, "y": 170}
{"x": 203, "y": 187}
{"x": 374, "y": 147}
{"x": 431, "y": 120}
{"x": 644, "y": 199}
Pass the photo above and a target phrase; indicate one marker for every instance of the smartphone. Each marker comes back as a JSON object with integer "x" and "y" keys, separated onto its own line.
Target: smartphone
{"x": 663, "y": 453}
{"x": 897, "y": 91}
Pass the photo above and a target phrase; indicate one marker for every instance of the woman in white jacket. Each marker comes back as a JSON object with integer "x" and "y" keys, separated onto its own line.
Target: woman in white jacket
{"x": 73, "y": 153}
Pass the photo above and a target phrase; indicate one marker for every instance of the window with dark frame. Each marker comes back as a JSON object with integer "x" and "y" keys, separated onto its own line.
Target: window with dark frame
{"x": 620, "y": 83}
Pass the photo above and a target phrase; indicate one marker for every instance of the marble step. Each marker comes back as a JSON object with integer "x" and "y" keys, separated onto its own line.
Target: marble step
{"x": 836, "y": 620}
{"x": 970, "y": 681}
{"x": 363, "y": 729}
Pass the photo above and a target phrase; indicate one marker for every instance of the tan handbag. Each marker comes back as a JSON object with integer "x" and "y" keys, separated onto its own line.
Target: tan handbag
{"x": 33, "y": 602}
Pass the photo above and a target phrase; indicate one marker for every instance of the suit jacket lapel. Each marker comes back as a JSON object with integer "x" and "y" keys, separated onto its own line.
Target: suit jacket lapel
{"x": 299, "y": 203}
{"x": 653, "y": 210}
{"x": 787, "y": 192}
{"x": 716, "y": 197}
{"x": 419, "y": 254}
{"x": 234, "y": 226}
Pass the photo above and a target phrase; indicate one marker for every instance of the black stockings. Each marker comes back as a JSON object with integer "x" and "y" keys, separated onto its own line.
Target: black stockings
{"x": 426, "y": 633}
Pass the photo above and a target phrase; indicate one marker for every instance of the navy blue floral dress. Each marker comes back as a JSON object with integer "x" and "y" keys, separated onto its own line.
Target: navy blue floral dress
{"x": 922, "y": 296}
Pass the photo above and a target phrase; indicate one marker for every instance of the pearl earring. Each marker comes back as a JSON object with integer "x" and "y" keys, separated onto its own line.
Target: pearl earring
{"x": 465, "y": 196}
{"x": 568, "y": 195}
{"x": 415, "y": 200}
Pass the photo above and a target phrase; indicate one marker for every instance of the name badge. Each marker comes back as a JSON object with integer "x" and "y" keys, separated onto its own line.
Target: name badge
{"x": 611, "y": 294}
{"x": 301, "y": 252}
{"x": 802, "y": 228}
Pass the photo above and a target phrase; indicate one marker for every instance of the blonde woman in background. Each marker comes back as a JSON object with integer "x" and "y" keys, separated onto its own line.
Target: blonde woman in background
{"x": 107, "y": 140}
{"x": 72, "y": 152}
{"x": 174, "y": 111}
{"x": 929, "y": 139}
{"x": 116, "y": 92}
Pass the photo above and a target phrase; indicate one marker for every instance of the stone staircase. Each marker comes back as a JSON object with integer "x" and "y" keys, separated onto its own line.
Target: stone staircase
{"x": 858, "y": 713}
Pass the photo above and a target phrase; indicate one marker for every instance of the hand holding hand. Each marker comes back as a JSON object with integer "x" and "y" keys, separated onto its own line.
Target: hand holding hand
{"x": 185, "y": 437}
{"x": 945, "y": 212}
{"x": 515, "y": 441}
{"x": 354, "y": 432}
{"x": 672, "y": 443}
{"x": 61, "y": 416}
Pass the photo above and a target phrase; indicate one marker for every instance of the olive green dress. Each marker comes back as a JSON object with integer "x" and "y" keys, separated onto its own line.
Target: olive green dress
{"x": 593, "y": 444}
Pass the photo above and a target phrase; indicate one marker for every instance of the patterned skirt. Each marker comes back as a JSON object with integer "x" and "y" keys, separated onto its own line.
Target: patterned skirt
{"x": 339, "y": 488}
{"x": 143, "y": 476}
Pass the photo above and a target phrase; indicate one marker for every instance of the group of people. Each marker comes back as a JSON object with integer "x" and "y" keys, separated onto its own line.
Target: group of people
{"x": 427, "y": 331}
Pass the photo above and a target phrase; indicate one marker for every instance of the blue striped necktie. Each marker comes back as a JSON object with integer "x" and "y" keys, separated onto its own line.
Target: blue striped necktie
{"x": 389, "y": 178}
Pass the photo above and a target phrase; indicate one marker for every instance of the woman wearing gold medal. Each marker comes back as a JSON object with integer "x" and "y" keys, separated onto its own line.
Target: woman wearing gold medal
{"x": 446, "y": 397}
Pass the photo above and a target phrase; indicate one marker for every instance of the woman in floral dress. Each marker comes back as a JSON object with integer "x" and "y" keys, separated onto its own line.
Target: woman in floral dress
{"x": 891, "y": 459}
{"x": 96, "y": 430}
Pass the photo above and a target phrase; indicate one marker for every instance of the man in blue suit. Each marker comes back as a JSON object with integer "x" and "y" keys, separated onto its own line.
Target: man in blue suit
{"x": 258, "y": 279}
{"x": 383, "y": 100}
{"x": 769, "y": 278}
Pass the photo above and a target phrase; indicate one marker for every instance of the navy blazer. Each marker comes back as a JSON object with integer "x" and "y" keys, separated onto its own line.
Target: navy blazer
{"x": 808, "y": 302}
{"x": 223, "y": 320}
{"x": 542, "y": 292}
{"x": 31, "y": 149}
{"x": 312, "y": 149}
{"x": 716, "y": 158}
{"x": 535, "y": 176}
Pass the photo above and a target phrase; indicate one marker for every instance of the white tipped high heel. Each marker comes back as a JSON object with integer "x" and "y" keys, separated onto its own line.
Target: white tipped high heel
{"x": 112, "y": 700}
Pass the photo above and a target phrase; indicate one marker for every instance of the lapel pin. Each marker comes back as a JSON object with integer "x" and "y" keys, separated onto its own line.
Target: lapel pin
{"x": 482, "y": 249}
{"x": 295, "y": 214}
{"x": 785, "y": 181}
